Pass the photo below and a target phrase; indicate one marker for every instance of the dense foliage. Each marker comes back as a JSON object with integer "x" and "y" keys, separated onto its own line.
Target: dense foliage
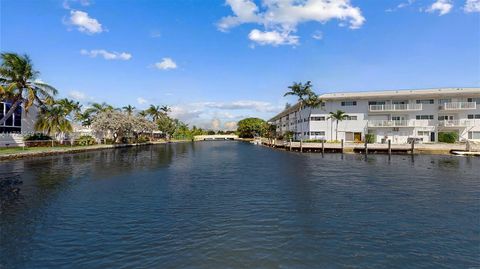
{"x": 370, "y": 138}
{"x": 86, "y": 140}
{"x": 251, "y": 127}
{"x": 447, "y": 137}
{"x": 37, "y": 137}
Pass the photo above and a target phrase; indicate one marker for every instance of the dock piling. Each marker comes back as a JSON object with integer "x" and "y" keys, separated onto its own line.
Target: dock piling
{"x": 342, "y": 145}
{"x": 389, "y": 147}
{"x": 290, "y": 144}
{"x": 366, "y": 147}
{"x": 323, "y": 146}
{"x": 301, "y": 145}
{"x": 413, "y": 147}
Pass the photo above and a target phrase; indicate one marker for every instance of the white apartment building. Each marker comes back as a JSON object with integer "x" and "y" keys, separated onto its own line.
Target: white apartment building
{"x": 399, "y": 116}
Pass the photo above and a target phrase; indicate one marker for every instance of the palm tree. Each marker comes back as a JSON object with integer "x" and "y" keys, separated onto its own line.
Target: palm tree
{"x": 337, "y": 116}
{"x": 129, "y": 109}
{"x": 19, "y": 84}
{"x": 165, "y": 109}
{"x": 69, "y": 106}
{"x": 96, "y": 108}
{"x": 53, "y": 120}
{"x": 84, "y": 117}
{"x": 155, "y": 112}
{"x": 306, "y": 98}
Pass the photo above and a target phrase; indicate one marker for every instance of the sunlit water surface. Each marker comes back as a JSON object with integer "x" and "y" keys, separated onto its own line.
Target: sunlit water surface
{"x": 236, "y": 205}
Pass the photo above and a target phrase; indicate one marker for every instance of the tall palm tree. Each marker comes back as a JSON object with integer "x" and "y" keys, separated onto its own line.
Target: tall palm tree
{"x": 337, "y": 116}
{"x": 69, "y": 106}
{"x": 155, "y": 112}
{"x": 19, "y": 84}
{"x": 96, "y": 108}
{"x": 53, "y": 120}
{"x": 306, "y": 98}
{"x": 84, "y": 117}
{"x": 129, "y": 109}
{"x": 165, "y": 109}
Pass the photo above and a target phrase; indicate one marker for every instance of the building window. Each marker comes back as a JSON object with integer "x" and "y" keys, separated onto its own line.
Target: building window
{"x": 426, "y": 101}
{"x": 476, "y": 100}
{"x": 423, "y": 133}
{"x": 349, "y": 103}
{"x": 473, "y": 135}
{"x": 321, "y": 133}
{"x": 351, "y": 118}
{"x": 443, "y": 101}
{"x": 399, "y": 102}
{"x": 317, "y": 118}
{"x": 373, "y": 103}
{"x": 445, "y": 117}
{"x": 424, "y": 117}
{"x": 471, "y": 116}
{"x": 396, "y": 118}
{"x": 13, "y": 121}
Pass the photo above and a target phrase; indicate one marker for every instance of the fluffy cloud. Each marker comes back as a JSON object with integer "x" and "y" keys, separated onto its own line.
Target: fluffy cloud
{"x": 77, "y": 95}
{"x": 281, "y": 17}
{"x": 165, "y": 64}
{"x": 84, "y": 23}
{"x": 107, "y": 55}
{"x": 141, "y": 101}
{"x": 472, "y": 6}
{"x": 272, "y": 38}
{"x": 441, "y": 6}
{"x": 230, "y": 126}
{"x": 215, "y": 123}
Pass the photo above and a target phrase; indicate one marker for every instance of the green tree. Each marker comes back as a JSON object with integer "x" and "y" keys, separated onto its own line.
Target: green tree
{"x": 53, "y": 120}
{"x": 129, "y": 109}
{"x": 337, "y": 116}
{"x": 167, "y": 125}
{"x": 306, "y": 98}
{"x": 251, "y": 127}
{"x": 155, "y": 112}
{"x": 19, "y": 84}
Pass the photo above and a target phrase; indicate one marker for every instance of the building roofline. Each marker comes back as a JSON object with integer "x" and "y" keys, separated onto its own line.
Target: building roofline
{"x": 428, "y": 92}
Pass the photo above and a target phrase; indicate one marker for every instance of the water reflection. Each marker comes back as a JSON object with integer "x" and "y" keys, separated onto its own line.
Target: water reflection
{"x": 229, "y": 204}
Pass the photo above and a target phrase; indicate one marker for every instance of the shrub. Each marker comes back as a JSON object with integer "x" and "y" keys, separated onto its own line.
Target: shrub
{"x": 450, "y": 137}
{"x": 143, "y": 139}
{"x": 86, "y": 140}
{"x": 36, "y": 137}
{"x": 313, "y": 141}
{"x": 370, "y": 138}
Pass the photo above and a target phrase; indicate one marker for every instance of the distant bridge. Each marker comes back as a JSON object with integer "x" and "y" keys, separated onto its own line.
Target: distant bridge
{"x": 215, "y": 137}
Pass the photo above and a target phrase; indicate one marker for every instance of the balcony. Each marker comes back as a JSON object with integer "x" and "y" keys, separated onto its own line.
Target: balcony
{"x": 395, "y": 107}
{"x": 458, "y": 106}
{"x": 456, "y": 123}
{"x": 400, "y": 123}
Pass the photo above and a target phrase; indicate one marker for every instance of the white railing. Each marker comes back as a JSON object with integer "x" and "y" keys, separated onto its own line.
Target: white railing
{"x": 456, "y": 123}
{"x": 458, "y": 105}
{"x": 401, "y": 123}
{"x": 395, "y": 107}
{"x": 389, "y": 123}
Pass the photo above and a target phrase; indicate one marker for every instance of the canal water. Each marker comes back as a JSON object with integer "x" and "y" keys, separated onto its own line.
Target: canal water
{"x": 236, "y": 205}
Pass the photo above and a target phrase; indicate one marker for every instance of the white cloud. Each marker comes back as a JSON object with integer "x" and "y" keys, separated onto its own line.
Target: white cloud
{"x": 155, "y": 34}
{"x": 281, "y": 17}
{"x": 441, "y": 6}
{"x": 230, "y": 126}
{"x": 85, "y": 23}
{"x": 401, "y": 5}
{"x": 142, "y": 101}
{"x": 67, "y": 3}
{"x": 318, "y": 35}
{"x": 215, "y": 124}
{"x": 78, "y": 95}
{"x": 272, "y": 38}
{"x": 165, "y": 64}
{"x": 472, "y": 6}
{"x": 107, "y": 55}
{"x": 258, "y": 106}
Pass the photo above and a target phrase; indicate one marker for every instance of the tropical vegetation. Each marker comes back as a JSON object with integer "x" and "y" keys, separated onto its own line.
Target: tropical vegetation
{"x": 252, "y": 127}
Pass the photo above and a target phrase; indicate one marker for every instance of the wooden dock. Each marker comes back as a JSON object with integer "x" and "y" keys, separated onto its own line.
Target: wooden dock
{"x": 348, "y": 147}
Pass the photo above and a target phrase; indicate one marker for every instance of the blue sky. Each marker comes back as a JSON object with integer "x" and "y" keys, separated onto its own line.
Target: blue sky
{"x": 215, "y": 62}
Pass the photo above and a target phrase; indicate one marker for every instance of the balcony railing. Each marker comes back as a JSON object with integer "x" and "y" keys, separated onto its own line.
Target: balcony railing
{"x": 458, "y": 105}
{"x": 456, "y": 123}
{"x": 401, "y": 123}
{"x": 395, "y": 107}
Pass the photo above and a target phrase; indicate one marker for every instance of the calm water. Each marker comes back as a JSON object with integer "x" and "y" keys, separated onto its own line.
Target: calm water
{"x": 235, "y": 205}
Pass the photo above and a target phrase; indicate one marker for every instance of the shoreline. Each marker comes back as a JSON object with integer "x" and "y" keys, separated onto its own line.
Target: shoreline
{"x": 76, "y": 149}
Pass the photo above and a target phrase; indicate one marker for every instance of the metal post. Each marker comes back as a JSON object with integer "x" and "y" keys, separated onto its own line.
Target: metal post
{"x": 389, "y": 147}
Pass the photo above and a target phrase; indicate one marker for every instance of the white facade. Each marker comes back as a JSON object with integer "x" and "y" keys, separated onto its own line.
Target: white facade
{"x": 399, "y": 116}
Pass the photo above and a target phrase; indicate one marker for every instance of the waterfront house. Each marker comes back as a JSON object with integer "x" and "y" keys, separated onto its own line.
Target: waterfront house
{"x": 19, "y": 124}
{"x": 399, "y": 116}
